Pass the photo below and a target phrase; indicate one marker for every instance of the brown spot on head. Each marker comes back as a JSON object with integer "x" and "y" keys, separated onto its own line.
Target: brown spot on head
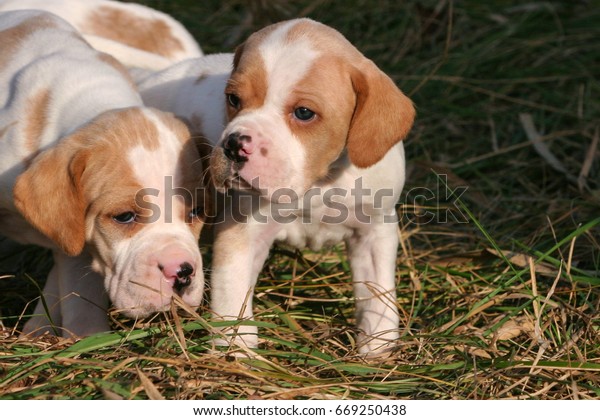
{"x": 147, "y": 34}
{"x": 176, "y": 125}
{"x": 123, "y": 129}
{"x": 248, "y": 80}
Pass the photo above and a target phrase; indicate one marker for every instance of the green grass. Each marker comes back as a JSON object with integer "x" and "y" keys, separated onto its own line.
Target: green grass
{"x": 499, "y": 294}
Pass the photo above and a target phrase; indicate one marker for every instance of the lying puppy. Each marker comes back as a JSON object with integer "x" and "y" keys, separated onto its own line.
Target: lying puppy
{"x": 134, "y": 34}
{"x": 89, "y": 172}
{"x": 315, "y": 133}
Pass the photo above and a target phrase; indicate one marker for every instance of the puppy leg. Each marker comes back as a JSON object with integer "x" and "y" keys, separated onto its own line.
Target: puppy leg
{"x": 84, "y": 302}
{"x": 46, "y": 316}
{"x": 372, "y": 253}
{"x": 238, "y": 257}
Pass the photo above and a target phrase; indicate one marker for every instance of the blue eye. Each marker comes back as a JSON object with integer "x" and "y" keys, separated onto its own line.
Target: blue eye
{"x": 125, "y": 218}
{"x": 304, "y": 114}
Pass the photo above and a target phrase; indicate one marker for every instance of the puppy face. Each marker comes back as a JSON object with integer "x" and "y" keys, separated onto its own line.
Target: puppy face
{"x": 299, "y": 96}
{"x": 126, "y": 187}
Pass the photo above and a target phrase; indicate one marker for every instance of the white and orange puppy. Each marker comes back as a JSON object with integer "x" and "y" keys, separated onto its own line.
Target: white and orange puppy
{"x": 136, "y": 35}
{"x": 314, "y": 132}
{"x": 88, "y": 171}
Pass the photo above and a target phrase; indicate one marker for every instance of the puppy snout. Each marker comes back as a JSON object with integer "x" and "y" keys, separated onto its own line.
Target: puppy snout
{"x": 238, "y": 147}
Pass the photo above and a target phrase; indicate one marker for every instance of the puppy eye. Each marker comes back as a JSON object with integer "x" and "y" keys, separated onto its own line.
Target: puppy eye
{"x": 195, "y": 212}
{"x": 233, "y": 100}
{"x": 304, "y": 114}
{"x": 125, "y": 218}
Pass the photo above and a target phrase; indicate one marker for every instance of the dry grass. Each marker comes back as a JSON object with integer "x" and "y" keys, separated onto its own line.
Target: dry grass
{"x": 498, "y": 284}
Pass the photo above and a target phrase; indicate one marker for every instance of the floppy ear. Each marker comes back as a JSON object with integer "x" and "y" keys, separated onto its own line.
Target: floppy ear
{"x": 383, "y": 116}
{"x": 49, "y": 196}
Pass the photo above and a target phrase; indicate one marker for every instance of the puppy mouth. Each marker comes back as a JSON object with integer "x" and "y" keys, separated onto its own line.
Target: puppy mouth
{"x": 225, "y": 174}
{"x": 237, "y": 182}
{"x": 162, "y": 297}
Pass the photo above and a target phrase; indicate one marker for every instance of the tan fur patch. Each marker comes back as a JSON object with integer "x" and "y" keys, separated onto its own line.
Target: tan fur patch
{"x": 12, "y": 37}
{"x": 152, "y": 35}
{"x": 333, "y": 101}
{"x": 249, "y": 78}
{"x": 125, "y": 128}
{"x": 176, "y": 125}
{"x": 116, "y": 64}
{"x": 36, "y": 120}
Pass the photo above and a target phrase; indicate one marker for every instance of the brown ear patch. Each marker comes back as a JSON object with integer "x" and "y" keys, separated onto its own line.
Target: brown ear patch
{"x": 383, "y": 116}
{"x": 49, "y": 196}
{"x": 248, "y": 79}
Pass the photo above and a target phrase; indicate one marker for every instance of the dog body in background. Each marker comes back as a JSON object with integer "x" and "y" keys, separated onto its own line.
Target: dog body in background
{"x": 84, "y": 168}
{"x": 193, "y": 90}
{"x": 136, "y": 35}
{"x": 314, "y": 155}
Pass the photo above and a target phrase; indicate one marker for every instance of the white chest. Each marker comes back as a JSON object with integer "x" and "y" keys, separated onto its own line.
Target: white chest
{"x": 333, "y": 211}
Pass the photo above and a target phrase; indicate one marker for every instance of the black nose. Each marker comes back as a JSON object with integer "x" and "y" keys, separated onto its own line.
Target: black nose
{"x": 233, "y": 144}
{"x": 185, "y": 270}
{"x": 184, "y": 276}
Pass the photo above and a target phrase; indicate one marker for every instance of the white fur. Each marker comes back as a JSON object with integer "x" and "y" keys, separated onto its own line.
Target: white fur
{"x": 178, "y": 90}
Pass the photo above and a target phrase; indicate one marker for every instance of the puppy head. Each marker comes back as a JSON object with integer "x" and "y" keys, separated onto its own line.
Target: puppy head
{"x": 299, "y": 95}
{"x": 126, "y": 187}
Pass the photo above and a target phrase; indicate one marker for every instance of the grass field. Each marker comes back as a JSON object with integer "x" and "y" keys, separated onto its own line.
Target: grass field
{"x": 499, "y": 266}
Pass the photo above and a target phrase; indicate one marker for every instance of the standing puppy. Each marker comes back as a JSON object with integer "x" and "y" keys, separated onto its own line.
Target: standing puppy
{"x": 87, "y": 171}
{"x": 313, "y": 152}
{"x": 136, "y": 35}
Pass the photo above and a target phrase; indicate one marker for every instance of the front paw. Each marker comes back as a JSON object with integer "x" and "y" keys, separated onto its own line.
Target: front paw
{"x": 380, "y": 346}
